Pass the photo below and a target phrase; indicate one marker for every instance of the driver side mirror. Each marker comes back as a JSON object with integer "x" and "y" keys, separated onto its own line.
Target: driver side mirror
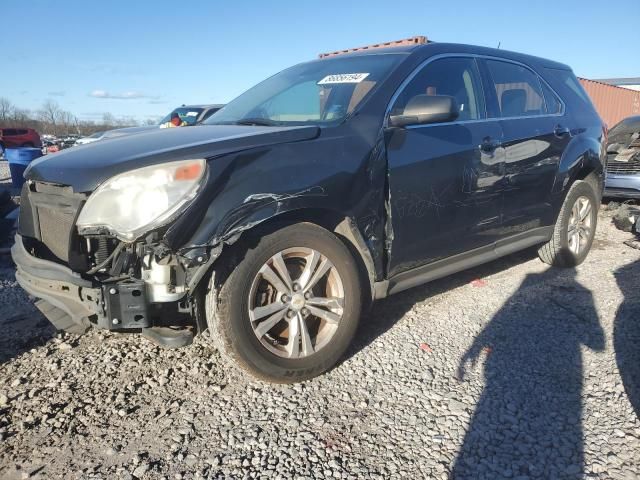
{"x": 424, "y": 109}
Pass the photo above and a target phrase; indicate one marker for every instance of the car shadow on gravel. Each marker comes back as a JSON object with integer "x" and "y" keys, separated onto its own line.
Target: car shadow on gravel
{"x": 387, "y": 312}
{"x": 626, "y": 332}
{"x": 528, "y": 420}
{"x": 22, "y": 326}
{"x": 23, "y": 331}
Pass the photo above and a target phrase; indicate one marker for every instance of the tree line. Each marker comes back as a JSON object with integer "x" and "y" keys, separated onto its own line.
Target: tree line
{"x": 52, "y": 119}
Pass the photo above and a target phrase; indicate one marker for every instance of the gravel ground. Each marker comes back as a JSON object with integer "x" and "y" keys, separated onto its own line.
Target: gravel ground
{"x": 511, "y": 370}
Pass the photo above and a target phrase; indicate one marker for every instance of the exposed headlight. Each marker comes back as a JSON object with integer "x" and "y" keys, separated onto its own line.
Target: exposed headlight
{"x": 134, "y": 202}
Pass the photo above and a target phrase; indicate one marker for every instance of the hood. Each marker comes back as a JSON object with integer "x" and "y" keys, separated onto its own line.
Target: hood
{"x": 86, "y": 166}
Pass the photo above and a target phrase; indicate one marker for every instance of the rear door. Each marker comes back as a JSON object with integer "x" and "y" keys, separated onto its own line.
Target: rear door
{"x": 445, "y": 178}
{"x": 535, "y": 134}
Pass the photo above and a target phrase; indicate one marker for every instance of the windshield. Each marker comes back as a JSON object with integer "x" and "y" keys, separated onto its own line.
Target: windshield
{"x": 186, "y": 114}
{"x": 96, "y": 135}
{"x": 319, "y": 92}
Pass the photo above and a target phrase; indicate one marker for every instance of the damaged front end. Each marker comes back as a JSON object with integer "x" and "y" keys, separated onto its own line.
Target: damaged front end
{"x": 623, "y": 160}
{"x": 89, "y": 266}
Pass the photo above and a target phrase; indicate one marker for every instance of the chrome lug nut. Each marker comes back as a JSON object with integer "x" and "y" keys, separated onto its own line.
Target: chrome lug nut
{"x": 296, "y": 287}
{"x": 115, "y": 321}
{"x": 291, "y": 313}
{"x": 113, "y": 291}
{"x": 305, "y": 311}
{"x": 285, "y": 298}
{"x": 307, "y": 295}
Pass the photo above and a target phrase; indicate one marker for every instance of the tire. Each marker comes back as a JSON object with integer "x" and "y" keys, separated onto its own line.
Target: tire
{"x": 560, "y": 251}
{"x": 286, "y": 352}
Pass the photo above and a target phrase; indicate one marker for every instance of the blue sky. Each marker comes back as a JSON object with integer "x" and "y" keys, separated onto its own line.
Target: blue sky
{"x": 135, "y": 58}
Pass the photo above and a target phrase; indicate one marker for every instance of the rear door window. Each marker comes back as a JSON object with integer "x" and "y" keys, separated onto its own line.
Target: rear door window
{"x": 457, "y": 77}
{"x": 517, "y": 89}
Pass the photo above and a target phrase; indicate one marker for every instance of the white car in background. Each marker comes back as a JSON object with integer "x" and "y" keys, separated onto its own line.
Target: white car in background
{"x": 189, "y": 114}
{"x": 90, "y": 139}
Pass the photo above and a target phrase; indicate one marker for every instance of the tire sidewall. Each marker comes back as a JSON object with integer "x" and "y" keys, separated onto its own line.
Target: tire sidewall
{"x": 579, "y": 189}
{"x": 235, "y": 324}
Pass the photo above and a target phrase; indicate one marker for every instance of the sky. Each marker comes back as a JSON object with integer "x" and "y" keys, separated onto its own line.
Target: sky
{"x": 143, "y": 58}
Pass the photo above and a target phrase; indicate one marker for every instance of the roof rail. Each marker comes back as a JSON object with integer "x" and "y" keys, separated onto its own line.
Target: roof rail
{"x": 417, "y": 40}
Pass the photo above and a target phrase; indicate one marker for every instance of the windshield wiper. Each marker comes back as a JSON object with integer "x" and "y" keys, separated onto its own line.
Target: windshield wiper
{"x": 263, "y": 122}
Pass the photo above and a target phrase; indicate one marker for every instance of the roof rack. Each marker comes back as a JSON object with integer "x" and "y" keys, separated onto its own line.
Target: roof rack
{"x": 417, "y": 40}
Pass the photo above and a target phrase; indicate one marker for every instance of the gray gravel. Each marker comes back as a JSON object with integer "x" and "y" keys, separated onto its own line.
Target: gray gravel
{"x": 528, "y": 373}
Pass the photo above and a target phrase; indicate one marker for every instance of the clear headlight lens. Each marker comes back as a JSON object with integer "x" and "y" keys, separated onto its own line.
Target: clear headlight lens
{"x": 130, "y": 204}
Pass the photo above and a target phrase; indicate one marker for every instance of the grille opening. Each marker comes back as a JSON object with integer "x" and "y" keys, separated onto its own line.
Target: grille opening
{"x": 630, "y": 167}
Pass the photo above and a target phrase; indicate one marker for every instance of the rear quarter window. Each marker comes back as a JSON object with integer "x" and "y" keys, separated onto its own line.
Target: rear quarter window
{"x": 567, "y": 85}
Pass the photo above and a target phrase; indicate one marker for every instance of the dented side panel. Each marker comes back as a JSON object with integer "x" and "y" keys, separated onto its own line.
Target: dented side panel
{"x": 446, "y": 193}
{"x": 340, "y": 171}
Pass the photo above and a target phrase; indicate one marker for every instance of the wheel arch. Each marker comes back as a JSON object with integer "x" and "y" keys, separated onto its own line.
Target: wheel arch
{"x": 581, "y": 160}
{"x": 344, "y": 227}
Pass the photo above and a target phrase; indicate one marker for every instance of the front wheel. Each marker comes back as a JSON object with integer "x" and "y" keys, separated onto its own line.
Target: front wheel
{"x": 290, "y": 308}
{"x": 575, "y": 228}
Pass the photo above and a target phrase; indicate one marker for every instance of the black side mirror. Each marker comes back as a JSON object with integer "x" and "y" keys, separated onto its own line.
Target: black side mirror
{"x": 423, "y": 109}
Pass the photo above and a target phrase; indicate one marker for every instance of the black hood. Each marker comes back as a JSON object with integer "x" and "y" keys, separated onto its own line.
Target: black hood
{"x": 87, "y": 166}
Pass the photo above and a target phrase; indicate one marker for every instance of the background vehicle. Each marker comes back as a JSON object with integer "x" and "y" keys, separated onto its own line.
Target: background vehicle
{"x": 68, "y": 141}
{"x": 331, "y": 184}
{"x": 19, "y": 137}
{"x": 623, "y": 159}
{"x": 94, "y": 137}
{"x": 190, "y": 114}
{"x": 193, "y": 114}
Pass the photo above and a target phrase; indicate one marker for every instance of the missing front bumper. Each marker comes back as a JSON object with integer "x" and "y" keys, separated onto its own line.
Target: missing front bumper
{"x": 65, "y": 292}
{"x": 74, "y": 304}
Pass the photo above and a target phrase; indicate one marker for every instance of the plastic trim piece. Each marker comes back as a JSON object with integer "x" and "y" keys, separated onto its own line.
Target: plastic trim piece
{"x": 460, "y": 262}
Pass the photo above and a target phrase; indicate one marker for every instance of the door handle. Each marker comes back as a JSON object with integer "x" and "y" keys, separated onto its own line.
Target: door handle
{"x": 560, "y": 131}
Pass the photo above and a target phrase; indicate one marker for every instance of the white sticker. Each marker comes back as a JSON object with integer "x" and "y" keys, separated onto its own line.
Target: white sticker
{"x": 343, "y": 78}
{"x": 191, "y": 114}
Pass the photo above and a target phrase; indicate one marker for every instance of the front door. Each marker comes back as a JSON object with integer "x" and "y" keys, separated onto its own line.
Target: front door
{"x": 445, "y": 179}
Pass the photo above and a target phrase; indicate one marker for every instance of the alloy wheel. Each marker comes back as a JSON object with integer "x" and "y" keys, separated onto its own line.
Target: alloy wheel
{"x": 580, "y": 225}
{"x": 296, "y": 302}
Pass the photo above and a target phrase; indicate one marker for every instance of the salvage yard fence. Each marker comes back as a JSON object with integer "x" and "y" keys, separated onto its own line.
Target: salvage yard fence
{"x": 612, "y": 103}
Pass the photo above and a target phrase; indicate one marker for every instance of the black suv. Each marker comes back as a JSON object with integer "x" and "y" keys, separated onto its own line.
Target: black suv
{"x": 333, "y": 183}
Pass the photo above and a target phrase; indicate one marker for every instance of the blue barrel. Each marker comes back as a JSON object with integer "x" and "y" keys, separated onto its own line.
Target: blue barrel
{"x": 19, "y": 159}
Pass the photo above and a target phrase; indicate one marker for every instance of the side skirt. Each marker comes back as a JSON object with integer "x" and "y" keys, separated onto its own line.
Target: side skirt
{"x": 462, "y": 261}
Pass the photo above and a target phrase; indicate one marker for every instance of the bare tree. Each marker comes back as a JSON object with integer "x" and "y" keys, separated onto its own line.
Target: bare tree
{"x": 6, "y": 110}
{"x": 50, "y": 114}
{"x": 68, "y": 121}
{"x": 21, "y": 117}
{"x": 52, "y": 118}
{"x": 108, "y": 119}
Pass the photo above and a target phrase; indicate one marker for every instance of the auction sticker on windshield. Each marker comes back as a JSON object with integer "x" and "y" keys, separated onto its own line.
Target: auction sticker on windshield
{"x": 343, "y": 78}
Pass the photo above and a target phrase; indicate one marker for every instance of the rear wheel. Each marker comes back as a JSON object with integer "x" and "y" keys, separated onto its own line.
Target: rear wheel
{"x": 289, "y": 309}
{"x": 575, "y": 228}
